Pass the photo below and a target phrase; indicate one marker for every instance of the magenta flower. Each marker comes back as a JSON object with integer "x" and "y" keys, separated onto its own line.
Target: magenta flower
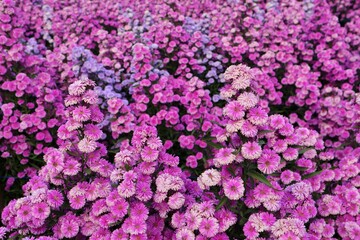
{"x": 234, "y": 188}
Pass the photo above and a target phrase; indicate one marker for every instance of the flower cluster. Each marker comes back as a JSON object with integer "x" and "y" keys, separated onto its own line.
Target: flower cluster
{"x": 180, "y": 119}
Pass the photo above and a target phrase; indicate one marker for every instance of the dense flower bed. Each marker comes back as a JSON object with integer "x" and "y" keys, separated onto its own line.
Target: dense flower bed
{"x": 164, "y": 119}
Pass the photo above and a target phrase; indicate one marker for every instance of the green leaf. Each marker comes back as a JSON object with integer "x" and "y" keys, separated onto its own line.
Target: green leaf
{"x": 312, "y": 174}
{"x": 215, "y": 145}
{"x": 265, "y": 131}
{"x": 301, "y": 168}
{"x": 259, "y": 177}
{"x": 304, "y": 150}
{"x": 221, "y": 203}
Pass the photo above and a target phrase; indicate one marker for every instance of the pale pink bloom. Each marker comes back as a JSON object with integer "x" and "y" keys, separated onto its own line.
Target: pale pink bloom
{"x": 86, "y": 145}
{"x": 176, "y": 201}
{"x": 210, "y": 177}
{"x": 81, "y": 114}
{"x": 251, "y": 150}
{"x": 234, "y": 188}
{"x": 224, "y": 156}
{"x": 248, "y": 100}
{"x": 209, "y": 227}
{"x": 185, "y": 234}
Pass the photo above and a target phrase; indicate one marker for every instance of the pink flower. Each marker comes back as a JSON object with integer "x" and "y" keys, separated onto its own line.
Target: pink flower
{"x": 77, "y": 88}
{"x": 41, "y": 210}
{"x": 120, "y": 208}
{"x": 234, "y": 110}
{"x": 277, "y": 121}
{"x": 268, "y": 162}
{"x": 93, "y": 132}
{"x": 209, "y": 178}
{"x": 185, "y": 234}
{"x": 148, "y": 154}
{"x": 87, "y": 145}
{"x": 209, "y": 227}
{"x": 234, "y": 188}
{"x": 81, "y": 114}
{"x": 257, "y": 116}
{"x": 176, "y": 201}
{"x": 240, "y": 75}
{"x": 250, "y": 231}
{"x": 224, "y": 156}
{"x": 54, "y": 198}
{"x": 69, "y": 229}
{"x": 71, "y": 167}
{"x": 248, "y": 100}
{"x": 24, "y": 213}
{"x": 251, "y": 150}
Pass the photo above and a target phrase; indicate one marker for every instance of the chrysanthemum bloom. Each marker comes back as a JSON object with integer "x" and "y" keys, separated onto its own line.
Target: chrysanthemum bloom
{"x": 234, "y": 110}
{"x": 277, "y": 121}
{"x": 41, "y": 210}
{"x": 93, "y": 132}
{"x": 301, "y": 190}
{"x": 148, "y": 154}
{"x": 69, "y": 229}
{"x": 287, "y": 176}
{"x": 210, "y": 177}
{"x": 176, "y": 201}
{"x": 77, "y": 88}
{"x": 71, "y": 167}
{"x": 209, "y": 227}
{"x": 248, "y": 130}
{"x": 248, "y": 100}
{"x": 239, "y": 75}
{"x": 81, "y": 114}
{"x": 224, "y": 156}
{"x": 268, "y": 162}
{"x": 24, "y": 213}
{"x": 86, "y": 145}
{"x": 90, "y": 97}
{"x": 185, "y": 234}
{"x": 234, "y": 188}
{"x": 54, "y": 198}
{"x": 251, "y": 150}
{"x": 257, "y": 116}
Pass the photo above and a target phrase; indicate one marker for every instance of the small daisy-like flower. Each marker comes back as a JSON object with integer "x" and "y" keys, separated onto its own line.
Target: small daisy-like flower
{"x": 185, "y": 234}
{"x": 210, "y": 177}
{"x": 77, "y": 88}
{"x": 69, "y": 228}
{"x": 209, "y": 227}
{"x": 54, "y": 198}
{"x": 72, "y": 100}
{"x": 148, "y": 154}
{"x": 93, "y": 132}
{"x": 87, "y": 145}
{"x": 248, "y": 130}
{"x": 234, "y": 110}
{"x": 176, "y": 201}
{"x": 72, "y": 125}
{"x": 41, "y": 210}
{"x": 301, "y": 190}
{"x": 257, "y": 116}
{"x": 234, "y": 188}
{"x": 81, "y": 114}
{"x": 239, "y": 75}
{"x": 268, "y": 162}
{"x": 71, "y": 167}
{"x": 248, "y": 100}
{"x": 251, "y": 150}
{"x": 224, "y": 156}
{"x": 277, "y": 121}
{"x": 90, "y": 97}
